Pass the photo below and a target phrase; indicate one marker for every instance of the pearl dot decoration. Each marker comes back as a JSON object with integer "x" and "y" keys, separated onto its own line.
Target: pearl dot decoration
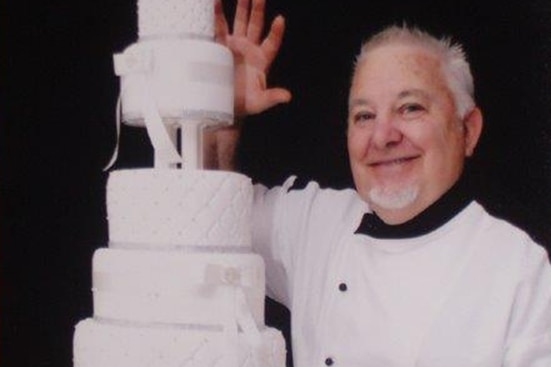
{"x": 179, "y": 18}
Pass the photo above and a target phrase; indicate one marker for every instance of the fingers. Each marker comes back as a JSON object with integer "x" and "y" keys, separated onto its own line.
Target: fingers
{"x": 271, "y": 44}
{"x": 241, "y": 18}
{"x": 249, "y": 21}
{"x": 256, "y": 22}
{"x": 221, "y": 29}
{"x": 263, "y": 102}
{"x": 270, "y": 98}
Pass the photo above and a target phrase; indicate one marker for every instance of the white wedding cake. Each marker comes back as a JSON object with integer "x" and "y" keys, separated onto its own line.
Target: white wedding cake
{"x": 178, "y": 285}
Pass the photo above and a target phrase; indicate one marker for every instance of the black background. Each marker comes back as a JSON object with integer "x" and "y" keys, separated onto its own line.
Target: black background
{"x": 58, "y": 94}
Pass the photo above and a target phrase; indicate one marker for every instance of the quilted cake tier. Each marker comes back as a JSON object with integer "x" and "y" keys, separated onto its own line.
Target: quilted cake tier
{"x": 182, "y": 18}
{"x": 175, "y": 209}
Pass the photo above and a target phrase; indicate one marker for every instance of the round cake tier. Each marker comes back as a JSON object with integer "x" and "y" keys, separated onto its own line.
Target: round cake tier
{"x": 175, "y": 287}
{"x": 178, "y": 209}
{"x": 100, "y": 344}
{"x": 182, "y": 18}
{"x": 181, "y": 79}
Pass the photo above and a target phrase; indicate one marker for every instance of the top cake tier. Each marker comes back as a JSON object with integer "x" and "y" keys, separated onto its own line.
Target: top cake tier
{"x": 176, "y": 18}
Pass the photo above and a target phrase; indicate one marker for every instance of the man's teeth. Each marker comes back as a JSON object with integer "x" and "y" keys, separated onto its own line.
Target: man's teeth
{"x": 396, "y": 161}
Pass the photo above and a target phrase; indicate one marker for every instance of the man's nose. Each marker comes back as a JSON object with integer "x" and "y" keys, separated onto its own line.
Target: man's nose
{"x": 386, "y": 133}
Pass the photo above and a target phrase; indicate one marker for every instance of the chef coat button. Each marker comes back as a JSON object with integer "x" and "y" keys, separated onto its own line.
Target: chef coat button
{"x": 329, "y": 361}
{"x": 343, "y": 287}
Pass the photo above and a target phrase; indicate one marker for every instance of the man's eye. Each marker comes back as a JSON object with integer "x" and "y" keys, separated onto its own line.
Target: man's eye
{"x": 411, "y": 108}
{"x": 364, "y": 116}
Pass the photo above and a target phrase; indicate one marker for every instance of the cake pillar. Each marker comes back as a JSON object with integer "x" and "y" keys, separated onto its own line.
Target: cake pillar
{"x": 191, "y": 140}
{"x": 160, "y": 160}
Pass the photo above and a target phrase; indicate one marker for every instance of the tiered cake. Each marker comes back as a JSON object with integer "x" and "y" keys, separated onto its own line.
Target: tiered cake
{"x": 178, "y": 285}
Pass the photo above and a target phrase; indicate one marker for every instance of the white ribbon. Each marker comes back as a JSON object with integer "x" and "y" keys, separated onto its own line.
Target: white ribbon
{"x": 139, "y": 61}
{"x": 199, "y": 249}
{"x": 241, "y": 318}
{"x": 115, "y": 154}
{"x": 165, "y": 151}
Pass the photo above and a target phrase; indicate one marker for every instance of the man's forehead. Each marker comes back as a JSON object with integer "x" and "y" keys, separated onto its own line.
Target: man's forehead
{"x": 396, "y": 73}
{"x": 400, "y": 95}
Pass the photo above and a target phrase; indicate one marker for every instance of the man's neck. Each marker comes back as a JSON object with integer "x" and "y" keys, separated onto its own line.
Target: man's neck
{"x": 433, "y": 217}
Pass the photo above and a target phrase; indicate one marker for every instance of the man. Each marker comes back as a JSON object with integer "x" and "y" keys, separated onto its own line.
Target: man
{"x": 406, "y": 270}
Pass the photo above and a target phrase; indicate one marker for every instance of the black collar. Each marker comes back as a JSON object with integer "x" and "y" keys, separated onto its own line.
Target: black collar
{"x": 436, "y": 215}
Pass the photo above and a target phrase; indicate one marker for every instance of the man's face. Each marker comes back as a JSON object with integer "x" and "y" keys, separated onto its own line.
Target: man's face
{"x": 406, "y": 143}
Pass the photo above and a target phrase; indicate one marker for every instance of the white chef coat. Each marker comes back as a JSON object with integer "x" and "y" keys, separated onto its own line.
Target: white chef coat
{"x": 474, "y": 292}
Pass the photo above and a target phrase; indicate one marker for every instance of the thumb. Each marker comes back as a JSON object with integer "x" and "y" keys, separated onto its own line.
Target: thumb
{"x": 272, "y": 97}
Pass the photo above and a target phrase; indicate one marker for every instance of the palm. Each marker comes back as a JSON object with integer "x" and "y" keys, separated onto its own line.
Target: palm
{"x": 253, "y": 56}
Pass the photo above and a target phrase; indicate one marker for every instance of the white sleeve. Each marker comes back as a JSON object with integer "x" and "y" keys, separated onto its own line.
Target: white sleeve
{"x": 279, "y": 222}
{"x": 530, "y": 325}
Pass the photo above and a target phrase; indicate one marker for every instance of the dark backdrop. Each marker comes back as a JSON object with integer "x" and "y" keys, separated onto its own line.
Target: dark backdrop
{"x": 58, "y": 95}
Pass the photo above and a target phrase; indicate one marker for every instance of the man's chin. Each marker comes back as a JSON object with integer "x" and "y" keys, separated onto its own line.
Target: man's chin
{"x": 393, "y": 198}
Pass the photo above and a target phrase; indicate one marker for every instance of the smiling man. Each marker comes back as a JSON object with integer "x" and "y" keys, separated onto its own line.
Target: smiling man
{"x": 408, "y": 269}
{"x": 408, "y": 133}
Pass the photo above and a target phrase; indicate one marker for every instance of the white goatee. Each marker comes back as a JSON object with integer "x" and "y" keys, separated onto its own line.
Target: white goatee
{"x": 393, "y": 198}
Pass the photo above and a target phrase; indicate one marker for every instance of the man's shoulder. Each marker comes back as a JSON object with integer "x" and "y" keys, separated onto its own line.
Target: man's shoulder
{"x": 317, "y": 200}
{"x": 508, "y": 235}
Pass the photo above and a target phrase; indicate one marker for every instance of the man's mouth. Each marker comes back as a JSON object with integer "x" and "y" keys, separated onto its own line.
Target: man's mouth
{"x": 392, "y": 162}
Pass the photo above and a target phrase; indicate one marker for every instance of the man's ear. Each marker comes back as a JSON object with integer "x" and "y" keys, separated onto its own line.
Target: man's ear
{"x": 472, "y": 124}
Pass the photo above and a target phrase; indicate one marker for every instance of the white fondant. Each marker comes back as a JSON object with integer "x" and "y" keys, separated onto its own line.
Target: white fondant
{"x": 188, "y": 18}
{"x": 173, "y": 208}
{"x": 175, "y": 287}
{"x": 186, "y": 79}
{"x": 135, "y": 60}
{"x": 101, "y": 344}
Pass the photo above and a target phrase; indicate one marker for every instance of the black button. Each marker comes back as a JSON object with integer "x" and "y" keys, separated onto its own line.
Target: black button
{"x": 343, "y": 287}
{"x": 329, "y": 362}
